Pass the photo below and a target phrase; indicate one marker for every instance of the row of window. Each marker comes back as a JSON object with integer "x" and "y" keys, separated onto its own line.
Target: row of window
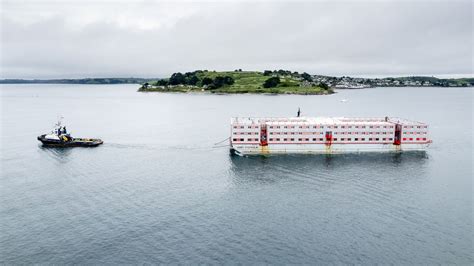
{"x": 415, "y": 126}
{"x": 335, "y": 133}
{"x": 415, "y": 133}
{"x": 317, "y": 133}
{"x": 335, "y": 127}
{"x": 316, "y": 126}
{"x": 240, "y": 139}
{"x": 245, "y": 133}
{"x": 363, "y": 133}
{"x": 334, "y": 139}
{"x": 247, "y": 127}
{"x": 321, "y": 126}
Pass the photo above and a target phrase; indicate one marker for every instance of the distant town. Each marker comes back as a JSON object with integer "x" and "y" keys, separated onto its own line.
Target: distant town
{"x": 415, "y": 81}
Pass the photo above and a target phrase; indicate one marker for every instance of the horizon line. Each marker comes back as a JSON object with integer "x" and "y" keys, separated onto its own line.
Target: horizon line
{"x": 366, "y": 76}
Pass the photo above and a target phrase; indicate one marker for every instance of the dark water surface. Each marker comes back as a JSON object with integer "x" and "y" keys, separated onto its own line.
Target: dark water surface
{"x": 158, "y": 192}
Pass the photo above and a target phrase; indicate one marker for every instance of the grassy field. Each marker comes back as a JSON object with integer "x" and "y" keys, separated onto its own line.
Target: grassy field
{"x": 245, "y": 82}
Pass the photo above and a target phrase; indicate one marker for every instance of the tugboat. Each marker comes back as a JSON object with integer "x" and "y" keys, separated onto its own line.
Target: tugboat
{"x": 60, "y": 138}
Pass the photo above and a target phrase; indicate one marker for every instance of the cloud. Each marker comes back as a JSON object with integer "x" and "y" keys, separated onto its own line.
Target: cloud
{"x": 47, "y": 39}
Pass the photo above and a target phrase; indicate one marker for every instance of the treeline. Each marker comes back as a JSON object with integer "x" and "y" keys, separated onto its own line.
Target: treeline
{"x": 195, "y": 78}
{"x": 212, "y": 80}
{"x": 295, "y": 74}
{"x": 76, "y": 81}
{"x": 275, "y": 81}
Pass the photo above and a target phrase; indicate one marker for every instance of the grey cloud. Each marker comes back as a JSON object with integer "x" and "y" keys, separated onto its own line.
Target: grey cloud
{"x": 334, "y": 38}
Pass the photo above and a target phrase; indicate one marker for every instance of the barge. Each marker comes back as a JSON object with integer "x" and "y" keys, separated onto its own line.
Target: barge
{"x": 326, "y": 135}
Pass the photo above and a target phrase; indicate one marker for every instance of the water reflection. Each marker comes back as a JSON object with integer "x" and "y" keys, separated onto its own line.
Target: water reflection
{"x": 59, "y": 154}
{"x": 331, "y": 160}
{"x": 271, "y": 169}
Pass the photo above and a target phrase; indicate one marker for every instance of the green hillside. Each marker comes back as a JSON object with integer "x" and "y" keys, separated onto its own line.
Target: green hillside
{"x": 275, "y": 82}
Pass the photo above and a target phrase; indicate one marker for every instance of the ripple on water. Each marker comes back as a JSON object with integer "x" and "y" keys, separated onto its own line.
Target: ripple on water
{"x": 158, "y": 191}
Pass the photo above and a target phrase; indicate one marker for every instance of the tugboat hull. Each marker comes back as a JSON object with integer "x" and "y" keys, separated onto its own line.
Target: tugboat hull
{"x": 74, "y": 142}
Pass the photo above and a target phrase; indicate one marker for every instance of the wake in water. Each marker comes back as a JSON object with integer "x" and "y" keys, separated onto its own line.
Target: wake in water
{"x": 208, "y": 146}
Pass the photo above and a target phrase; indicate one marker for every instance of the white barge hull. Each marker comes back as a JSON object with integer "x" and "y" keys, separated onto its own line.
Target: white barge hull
{"x": 256, "y": 149}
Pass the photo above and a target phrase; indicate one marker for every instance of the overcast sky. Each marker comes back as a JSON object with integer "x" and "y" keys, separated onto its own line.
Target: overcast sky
{"x": 73, "y": 39}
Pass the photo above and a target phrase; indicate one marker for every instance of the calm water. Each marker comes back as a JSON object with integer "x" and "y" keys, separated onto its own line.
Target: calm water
{"x": 158, "y": 192}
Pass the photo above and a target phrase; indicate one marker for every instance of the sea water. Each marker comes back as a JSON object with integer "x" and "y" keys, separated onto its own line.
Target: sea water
{"x": 163, "y": 188}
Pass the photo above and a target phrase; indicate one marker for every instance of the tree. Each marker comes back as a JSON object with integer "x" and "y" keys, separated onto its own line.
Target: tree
{"x": 282, "y": 72}
{"x": 177, "y": 78}
{"x": 271, "y": 82}
{"x": 192, "y": 80}
{"x": 267, "y": 73}
{"x": 307, "y": 77}
{"x": 162, "y": 82}
{"x": 220, "y": 81}
{"x": 228, "y": 80}
{"x": 206, "y": 81}
{"x": 324, "y": 86}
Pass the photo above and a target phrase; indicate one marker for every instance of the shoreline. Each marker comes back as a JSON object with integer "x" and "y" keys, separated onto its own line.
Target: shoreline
{"x": 221, "y": 92}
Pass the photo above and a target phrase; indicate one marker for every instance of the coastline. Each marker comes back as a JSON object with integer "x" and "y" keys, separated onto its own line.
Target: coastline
{"x": 295, "y": 91}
